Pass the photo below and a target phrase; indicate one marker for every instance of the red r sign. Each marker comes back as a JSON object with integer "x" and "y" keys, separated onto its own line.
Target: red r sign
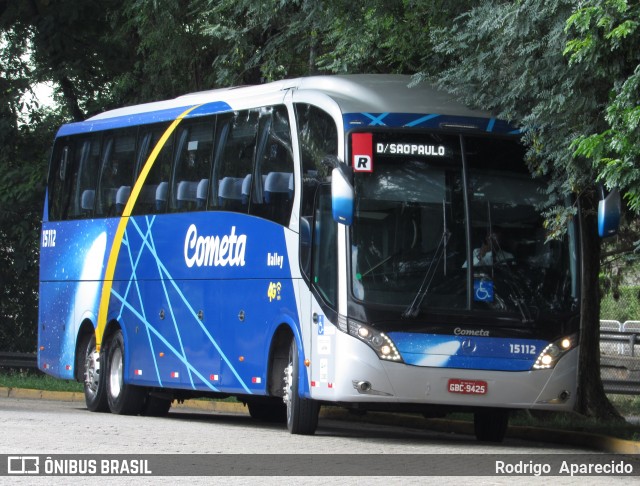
{"x": 362, "y": 150}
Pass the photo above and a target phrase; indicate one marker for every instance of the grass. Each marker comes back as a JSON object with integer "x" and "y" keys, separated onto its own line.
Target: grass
{"x": 627, "y": 405}
{"x": 36, "y": 380}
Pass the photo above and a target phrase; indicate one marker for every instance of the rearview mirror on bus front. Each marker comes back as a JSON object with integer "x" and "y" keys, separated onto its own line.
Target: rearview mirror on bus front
{"x": 609, "y": 209}
{"x": 341, "y": 195}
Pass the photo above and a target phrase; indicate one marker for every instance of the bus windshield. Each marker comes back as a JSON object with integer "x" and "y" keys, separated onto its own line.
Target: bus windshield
{"x": 428, "y": 236}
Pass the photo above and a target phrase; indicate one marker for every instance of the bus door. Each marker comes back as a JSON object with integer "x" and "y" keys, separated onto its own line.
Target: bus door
{"x": 324, "y": 299}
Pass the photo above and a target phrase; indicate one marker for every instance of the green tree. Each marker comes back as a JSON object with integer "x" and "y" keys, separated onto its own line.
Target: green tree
{"x": 170, "y": 50}
{"x": 604, "y": 35}
{"x": 70, "y": 43}
{"x": 268, "y": 40}
{"x": 605, "y": 38}
{"x": 25, "y": 136}
{"x": 40, "y": 40}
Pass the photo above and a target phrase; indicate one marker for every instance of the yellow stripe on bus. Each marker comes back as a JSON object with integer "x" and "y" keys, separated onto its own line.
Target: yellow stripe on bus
{"x": 122, "y": 225}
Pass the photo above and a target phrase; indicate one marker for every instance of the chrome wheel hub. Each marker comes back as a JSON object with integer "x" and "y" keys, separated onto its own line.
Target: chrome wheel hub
{"x": 92, "y": 371}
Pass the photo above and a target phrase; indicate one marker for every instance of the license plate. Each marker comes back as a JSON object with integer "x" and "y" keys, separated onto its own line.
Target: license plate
{"x": 468, "y": 387}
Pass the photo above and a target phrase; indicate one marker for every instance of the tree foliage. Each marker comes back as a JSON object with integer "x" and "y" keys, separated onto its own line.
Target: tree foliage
{"x": 508, "y": 58}
{"x": 25, "y": 136}
{"x": 171, "y": 54}
{"x": 605, "y": 38}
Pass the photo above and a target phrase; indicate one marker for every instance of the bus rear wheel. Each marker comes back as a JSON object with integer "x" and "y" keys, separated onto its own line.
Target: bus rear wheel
{"x": 302, "y": 413}
{"x": 124, "y": 399}
{"x": 94, "y": 382}
{"x": 491, "y": 425}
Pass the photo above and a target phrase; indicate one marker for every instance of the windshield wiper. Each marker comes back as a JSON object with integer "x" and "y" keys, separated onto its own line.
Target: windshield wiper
{"x": 498, "y": 257}
{"x": 414, "y": 309}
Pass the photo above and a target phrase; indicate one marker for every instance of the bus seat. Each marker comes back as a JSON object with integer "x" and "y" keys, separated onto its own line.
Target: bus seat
{"x": 186, "y": 193}
{"x": 246, "y": 189}
{"x": 201, "y": 193}
{"x": 230, "y": 189}
{"x": 88, "y": 199}
{"x": 162, "y": 194}
{"x": 121, "y": 198}
{"x": 276, "y": 183}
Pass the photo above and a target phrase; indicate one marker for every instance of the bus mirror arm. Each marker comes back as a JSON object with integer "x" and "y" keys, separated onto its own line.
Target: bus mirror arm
{"x": 333, "y": 162}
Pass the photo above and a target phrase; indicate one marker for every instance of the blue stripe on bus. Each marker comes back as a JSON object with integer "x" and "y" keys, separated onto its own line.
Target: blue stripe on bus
{"x": 434, "y": 120}
{"x": 476, "y": 352}
{"x": 135, "y": 119}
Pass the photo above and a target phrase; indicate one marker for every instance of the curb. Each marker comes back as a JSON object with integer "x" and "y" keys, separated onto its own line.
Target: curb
{"x": 594, "y": 441}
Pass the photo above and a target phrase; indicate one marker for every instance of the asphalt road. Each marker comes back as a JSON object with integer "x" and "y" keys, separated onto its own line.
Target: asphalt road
{"x": 44, "y": 427}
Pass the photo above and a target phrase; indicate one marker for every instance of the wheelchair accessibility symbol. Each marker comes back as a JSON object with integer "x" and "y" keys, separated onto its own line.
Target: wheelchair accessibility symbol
{"x": 483, "y": 290}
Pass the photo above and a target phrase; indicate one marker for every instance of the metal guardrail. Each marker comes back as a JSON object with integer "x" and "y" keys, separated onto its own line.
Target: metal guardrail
{"x": 619, "y": 357}
{"x": 18, "y": 360}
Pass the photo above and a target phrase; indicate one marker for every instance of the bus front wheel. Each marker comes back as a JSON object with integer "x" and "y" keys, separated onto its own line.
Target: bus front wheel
{"x": 302, "y": 413}
{"x": 124, "y": 399}
{"x": 491, "y": 425}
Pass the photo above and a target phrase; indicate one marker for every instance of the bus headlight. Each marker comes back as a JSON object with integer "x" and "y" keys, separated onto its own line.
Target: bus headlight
{"x": 378, "y": 341}
{"x": 552, "y": 353}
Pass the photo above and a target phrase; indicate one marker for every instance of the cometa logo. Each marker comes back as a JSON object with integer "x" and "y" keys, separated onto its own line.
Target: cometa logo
{"x": 213, "y": 251}
{"x": 458, "y": 331}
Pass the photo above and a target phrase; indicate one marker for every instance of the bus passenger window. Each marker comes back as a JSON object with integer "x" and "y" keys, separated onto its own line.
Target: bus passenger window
{"x": 317, "y": 138}
{"x": 236, "y": 145}
{"x": 273, "y": 199}
{"x": 154, "y": 194}
{"x": 86, "y": 164}
{"x": 192, "y": 165}
{"x": 60, "y": 179}
{"x": 118, "y": 161}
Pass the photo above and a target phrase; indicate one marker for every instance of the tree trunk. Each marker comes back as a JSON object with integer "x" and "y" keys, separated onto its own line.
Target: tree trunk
{"x": 71, "y": 98}
{"x": 591, "y": 400}
{"x": 313, "y": 53}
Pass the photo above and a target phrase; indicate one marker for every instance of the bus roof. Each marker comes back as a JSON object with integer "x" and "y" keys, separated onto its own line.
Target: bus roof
{"x": 359, "y": 93}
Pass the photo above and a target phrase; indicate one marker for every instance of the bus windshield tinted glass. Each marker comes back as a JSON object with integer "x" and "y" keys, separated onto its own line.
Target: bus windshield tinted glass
{"x": 409, "y": 236}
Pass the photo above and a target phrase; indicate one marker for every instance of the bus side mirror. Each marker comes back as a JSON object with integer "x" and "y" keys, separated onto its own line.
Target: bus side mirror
{"x": 609, "y": 209}
{"x": 341, "y": 195}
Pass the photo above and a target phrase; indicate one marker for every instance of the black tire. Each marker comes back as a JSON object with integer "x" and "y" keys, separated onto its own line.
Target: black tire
{"x": 156, "y": 406}
{"x": 123, "y": 399}
{"x": 302, "y": 413}
{"x": 95, "y": 395}
{"x": 491, "y": 425}
{"x": 268, "y": 410}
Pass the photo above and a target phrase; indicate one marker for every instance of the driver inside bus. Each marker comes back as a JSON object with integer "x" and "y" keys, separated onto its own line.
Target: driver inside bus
{"x": 491, "y": 251}
{"x": 491, "y": 247}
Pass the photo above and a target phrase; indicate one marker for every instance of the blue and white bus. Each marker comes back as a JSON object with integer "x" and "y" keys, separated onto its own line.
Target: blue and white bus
{"x": 331, "y": 240}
